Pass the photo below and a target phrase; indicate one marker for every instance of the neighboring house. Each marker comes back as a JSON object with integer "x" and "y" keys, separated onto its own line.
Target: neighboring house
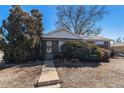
{"x": 118, "y": 48}
{"x": 99, "y": 41}
{"x": 55, "y": 39}
{"x": 117, "y": 44}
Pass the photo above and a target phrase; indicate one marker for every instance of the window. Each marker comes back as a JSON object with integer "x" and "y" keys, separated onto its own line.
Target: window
{"x": 60, "y": 44}
{"x": 49, "y": 46}
{"x": 49, "y": 43}
{"x": 99, "y": 42}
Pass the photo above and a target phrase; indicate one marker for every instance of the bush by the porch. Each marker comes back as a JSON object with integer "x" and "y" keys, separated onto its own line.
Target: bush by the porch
{"x": 83, "y": 52}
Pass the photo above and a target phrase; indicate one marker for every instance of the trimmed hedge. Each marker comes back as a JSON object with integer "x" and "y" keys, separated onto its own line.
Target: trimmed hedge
{"x": 83, "y": 52}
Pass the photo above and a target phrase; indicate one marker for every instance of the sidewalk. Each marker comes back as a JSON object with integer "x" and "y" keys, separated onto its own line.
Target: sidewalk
{"x": 49, "y": 76}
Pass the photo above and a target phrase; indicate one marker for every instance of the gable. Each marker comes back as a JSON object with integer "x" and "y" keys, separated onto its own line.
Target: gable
{"x": 62, "y": 33}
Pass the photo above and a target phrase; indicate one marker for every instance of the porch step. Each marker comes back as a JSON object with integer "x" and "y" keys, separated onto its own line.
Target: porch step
{"x": 52, "y": 83}
{"x": 51, "y": 86}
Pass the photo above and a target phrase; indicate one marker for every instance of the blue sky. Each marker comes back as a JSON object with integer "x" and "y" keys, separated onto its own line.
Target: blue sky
{"x": 112, "y": 24}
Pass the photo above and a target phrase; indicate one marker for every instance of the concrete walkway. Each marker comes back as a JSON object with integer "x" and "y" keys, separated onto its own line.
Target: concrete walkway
{"x": 49, "y": 76}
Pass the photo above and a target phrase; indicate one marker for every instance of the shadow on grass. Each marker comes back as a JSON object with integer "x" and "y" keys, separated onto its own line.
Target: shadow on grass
{"x": 70, "y": 64}
{"x": 4, "y": 65}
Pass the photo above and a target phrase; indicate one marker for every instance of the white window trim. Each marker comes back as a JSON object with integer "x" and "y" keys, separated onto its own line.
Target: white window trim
{"x": 59, "y": 45}
{"x": 99, "y": 42}
{"x": 49, "y": 43}
{"x": 49, "y": 46}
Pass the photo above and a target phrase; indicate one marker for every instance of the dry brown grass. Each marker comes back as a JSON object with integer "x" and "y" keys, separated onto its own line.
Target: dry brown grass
{"x": 91, "y": 75}
{"x": 19, "y": 76}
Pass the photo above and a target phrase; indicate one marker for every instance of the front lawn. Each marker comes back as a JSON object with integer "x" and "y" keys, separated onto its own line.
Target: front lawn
{"x": 91, "y": 75}
{"x": 19, "y": 75}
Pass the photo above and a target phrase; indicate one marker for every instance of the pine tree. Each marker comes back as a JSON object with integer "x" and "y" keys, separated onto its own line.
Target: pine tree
{"x": 38, "y": 28}
{"x": 23, "y": 35}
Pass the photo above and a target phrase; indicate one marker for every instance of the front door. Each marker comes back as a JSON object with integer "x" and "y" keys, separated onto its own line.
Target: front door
{"x": 49, "y": 46}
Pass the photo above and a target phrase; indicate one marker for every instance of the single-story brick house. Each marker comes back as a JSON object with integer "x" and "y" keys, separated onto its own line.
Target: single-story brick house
{"x": 55, "y": 39}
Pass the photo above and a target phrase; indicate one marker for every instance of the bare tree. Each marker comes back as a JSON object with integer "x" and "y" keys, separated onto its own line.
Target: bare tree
{"x": 80, "y": 19}
{"x": 93, "y": 31}
{"x": 118, "y": 40}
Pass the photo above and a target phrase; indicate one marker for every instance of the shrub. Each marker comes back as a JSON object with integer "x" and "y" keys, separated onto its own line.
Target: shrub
{"x": 112, "y": 53}
{"x": 94, "y": 53}
{"x": 71, "y": 49}
{"x": 104, "y": 55}
{"x": 83, "y": 52}
{"x": 58, "y": 56}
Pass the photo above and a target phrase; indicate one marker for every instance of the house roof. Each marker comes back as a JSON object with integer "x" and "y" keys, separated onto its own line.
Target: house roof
{"x": 92, "y": 38}
{"x": 62, "y": 34}
{"x": 117, "y": 44}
